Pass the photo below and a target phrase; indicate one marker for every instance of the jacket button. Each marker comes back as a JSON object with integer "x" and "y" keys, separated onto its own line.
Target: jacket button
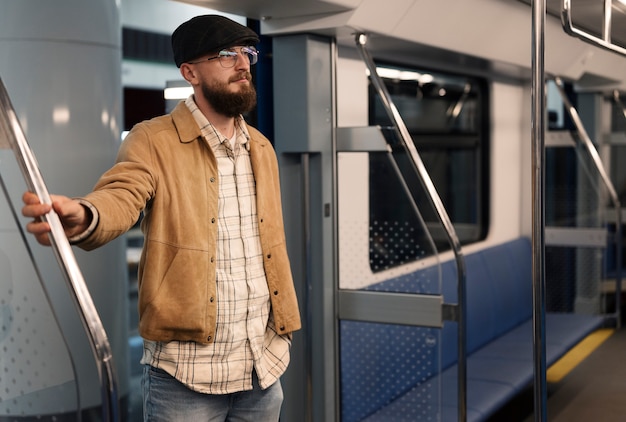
{"x": 212, "y": 259}
{"x": 212, "y": 179}
{"x": 212, "y": 299}
{"x": 213, "y": 220}
{"x": 282, "y": 328}
{"x": 275, "y": 292}
{"x": 261, "y": 220}
{"x": 208, "y": 338}
{"x": 269, "y": 255}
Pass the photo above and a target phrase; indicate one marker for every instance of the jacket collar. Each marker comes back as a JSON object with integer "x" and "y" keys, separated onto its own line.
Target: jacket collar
{"x": 188, "y": 130}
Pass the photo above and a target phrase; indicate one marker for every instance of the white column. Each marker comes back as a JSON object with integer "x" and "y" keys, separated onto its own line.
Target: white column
{"x": 61, "y": 63}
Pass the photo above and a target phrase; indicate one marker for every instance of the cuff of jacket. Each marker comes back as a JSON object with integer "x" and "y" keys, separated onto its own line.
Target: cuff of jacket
{"x": 92, "y": 226}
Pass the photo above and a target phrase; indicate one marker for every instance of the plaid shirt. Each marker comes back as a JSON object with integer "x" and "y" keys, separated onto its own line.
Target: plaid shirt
{"x": 245, "y": 338}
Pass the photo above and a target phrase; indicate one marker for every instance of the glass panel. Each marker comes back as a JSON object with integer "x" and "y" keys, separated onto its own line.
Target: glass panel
{"x": 396, "y": 233}
{"x": 561, "y": 177}
{"x": 388, "y": 371}
{"x": 392, "y": 240}
{"x": 37, "y": 379}
{"x": 575, "y": 199}
{"x": 572, "y": 281}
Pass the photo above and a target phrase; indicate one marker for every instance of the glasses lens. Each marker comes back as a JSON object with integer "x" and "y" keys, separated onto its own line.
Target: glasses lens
{"x": 227, "y": 58}
{"x": 252, "y": 53}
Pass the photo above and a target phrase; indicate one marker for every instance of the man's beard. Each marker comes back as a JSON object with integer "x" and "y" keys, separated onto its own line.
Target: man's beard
{"x": 228, "y": 103}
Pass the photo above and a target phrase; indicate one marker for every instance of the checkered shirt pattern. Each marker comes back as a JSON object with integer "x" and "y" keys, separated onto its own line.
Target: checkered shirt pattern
{"x": 245, "y": 338}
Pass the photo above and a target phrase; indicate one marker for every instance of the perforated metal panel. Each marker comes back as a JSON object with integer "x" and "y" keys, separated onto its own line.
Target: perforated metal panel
{"x": 36, "y": 372}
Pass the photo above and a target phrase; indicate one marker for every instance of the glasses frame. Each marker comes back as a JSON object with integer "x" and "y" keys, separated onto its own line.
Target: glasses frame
{"x": 228, "y": 56}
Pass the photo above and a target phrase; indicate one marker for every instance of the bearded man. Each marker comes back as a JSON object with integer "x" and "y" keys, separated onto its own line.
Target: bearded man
{"x": 217, "y": 303}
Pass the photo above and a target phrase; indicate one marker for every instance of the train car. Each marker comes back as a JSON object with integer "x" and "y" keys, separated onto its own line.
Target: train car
{"x": 452, "y": 192}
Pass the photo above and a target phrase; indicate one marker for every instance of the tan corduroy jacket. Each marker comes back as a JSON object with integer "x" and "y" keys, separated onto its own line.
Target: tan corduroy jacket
{"x": 165, "y": 168}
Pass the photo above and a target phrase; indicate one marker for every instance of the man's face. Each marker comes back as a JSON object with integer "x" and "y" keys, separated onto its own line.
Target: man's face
{"x": 227, "y": 85}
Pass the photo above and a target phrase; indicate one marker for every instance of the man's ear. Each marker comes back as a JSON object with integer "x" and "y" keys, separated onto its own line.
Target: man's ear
{"x": 188, "y": 73}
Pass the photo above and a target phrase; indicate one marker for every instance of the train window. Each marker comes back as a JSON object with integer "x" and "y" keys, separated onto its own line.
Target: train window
{"x": 446, "y": 116}
{"x": 556, "y": 108}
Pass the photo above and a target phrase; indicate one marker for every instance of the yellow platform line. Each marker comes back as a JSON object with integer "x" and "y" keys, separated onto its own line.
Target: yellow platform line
{"x": 568, "y": 362}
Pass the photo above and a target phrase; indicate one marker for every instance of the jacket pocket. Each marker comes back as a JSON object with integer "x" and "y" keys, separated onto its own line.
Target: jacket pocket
{"x": 174, "y": 292}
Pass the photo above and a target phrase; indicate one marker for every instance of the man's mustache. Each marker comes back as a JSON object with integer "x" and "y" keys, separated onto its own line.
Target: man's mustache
{"x": 240, "y": 76}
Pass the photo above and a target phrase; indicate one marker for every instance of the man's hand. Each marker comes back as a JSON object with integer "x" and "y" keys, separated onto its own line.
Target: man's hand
{"x": 74, "y": 218}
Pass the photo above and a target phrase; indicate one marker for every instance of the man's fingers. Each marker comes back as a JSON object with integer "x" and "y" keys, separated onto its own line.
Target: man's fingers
{"x": 40, "y": 230}
{"x": 37, "y": 227}
{"x": 43, "y": 239}
{"x": 33, "y": 207}
{"x": 30, "y": 198}
{"x": 36, "y": 210}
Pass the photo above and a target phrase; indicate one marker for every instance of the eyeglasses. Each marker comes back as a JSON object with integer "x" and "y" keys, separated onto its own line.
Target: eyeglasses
{"x": 228, "y": 57}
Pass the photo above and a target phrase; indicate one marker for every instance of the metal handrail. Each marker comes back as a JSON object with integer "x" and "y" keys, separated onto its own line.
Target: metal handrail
{"x": 409, "y": 145}
{"x": 604, "y": 42}
{"x": 92, "y": 324}
{"x": 597, "y": 161}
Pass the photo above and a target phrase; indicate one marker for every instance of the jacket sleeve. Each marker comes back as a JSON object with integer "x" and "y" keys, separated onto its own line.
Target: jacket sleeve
{"x": 124, "y": 190}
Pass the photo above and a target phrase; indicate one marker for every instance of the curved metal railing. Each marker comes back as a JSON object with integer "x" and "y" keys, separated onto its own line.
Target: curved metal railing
{"x": 409, "y": 146}
{"x": 98, "y": 340}
{"x": 605, "y": 41}
{"x": 588, "y": 146}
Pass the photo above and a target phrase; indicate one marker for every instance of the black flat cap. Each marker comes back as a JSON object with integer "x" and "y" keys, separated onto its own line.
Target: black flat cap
{"x": 208, "y": 33}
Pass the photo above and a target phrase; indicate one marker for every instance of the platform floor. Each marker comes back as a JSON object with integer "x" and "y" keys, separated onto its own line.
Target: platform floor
{"x": 593, "y": 391}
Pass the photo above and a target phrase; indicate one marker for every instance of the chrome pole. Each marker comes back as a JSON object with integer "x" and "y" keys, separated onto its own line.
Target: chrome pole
{"x": 538, "y": 207}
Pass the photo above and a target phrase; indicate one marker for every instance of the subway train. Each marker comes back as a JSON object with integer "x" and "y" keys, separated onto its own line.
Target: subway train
{"x": 451, "y": 183}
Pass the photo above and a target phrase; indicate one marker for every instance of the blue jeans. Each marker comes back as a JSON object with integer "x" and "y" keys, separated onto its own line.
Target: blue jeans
{"x": 166, "y": 399}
